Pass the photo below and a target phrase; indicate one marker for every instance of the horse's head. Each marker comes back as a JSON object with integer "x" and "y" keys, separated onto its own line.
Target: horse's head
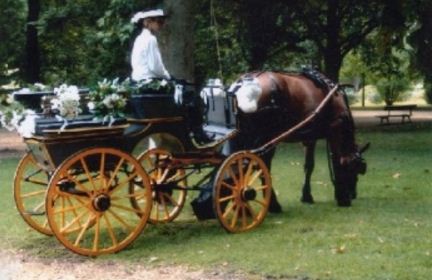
{"x": 355, "y": 162}
{"x": 345, "y": 174}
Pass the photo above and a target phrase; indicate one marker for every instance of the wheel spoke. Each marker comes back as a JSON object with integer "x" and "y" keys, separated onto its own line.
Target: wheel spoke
{"x": 261, "y": 188}
{"x": 110, "y": 231}
{"x": 63, "y": 215}
{"x": 72, "y": 222}
{"x": 249, "y": 171}
{"x": 96, "y": 235}
{"x": 31, "y": 194}
{"x": 79, "y": 184}
{"x": 234, "y": 218}
{"x": 226, "y": 198}
{"x": 133, "y": 210}
{"x": 87, "y": 172}
{"x": 115, "y": 171}
{"x": 67, "y": 209}
{"x": 127, "y": 227}
{"x": 38, "y": 207}
{"x": 233, "y": 176}
{"x": 102, "y": 170}
{"x": 164, "y": 206}
{"x": 255, "y": 176}
{"x": 163, "y": 176}
{"x": 36, "y": 181}
{"x": 251, "y": 211}
{"x": 262, "y": 203}
{"x": 83, "y": 230}
{"x": 240, "y": 171}
{"x": 171, "y": 199}
{"x": 122, "y": 184}
{"x": 225, "y": 184}
{"x": 228, "y": 210}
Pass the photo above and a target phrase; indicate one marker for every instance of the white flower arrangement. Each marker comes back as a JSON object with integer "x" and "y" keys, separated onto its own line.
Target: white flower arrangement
{"x": 13, "y": 116}
{"x": 26, "y": 126}
{"x": 109, "y": 98}
{"x": 67, "y": 101}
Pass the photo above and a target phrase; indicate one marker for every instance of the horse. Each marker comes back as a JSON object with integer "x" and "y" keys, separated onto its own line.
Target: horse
{"x": 270, "y": 103}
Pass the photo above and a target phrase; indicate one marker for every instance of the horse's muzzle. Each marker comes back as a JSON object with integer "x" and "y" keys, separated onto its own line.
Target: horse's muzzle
{"x": 362, "y": 167}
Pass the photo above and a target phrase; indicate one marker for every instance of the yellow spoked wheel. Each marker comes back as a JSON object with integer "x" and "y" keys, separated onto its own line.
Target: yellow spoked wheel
{"x": 241, "y": 192}
{"x": 88, "y": 201}
{"x": 30, "y": 185}
{"x": 168, "y": 186}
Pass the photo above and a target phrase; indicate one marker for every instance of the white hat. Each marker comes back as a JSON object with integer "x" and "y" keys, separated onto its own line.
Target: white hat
{"x": 147, "y": 14}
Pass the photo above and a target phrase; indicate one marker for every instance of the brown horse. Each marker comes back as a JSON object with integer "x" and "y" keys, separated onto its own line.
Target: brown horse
{"x": 271, "y": 102}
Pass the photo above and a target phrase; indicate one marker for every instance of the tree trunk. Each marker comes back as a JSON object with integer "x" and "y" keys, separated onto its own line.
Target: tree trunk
{"x": 332, "y": 64}
{"x": 332, "y": 54}
{"x": 177, "y": 42}
{"x": 32, "y": 57}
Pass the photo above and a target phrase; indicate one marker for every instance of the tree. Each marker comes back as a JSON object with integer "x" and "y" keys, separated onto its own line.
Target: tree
{"x": 12, "y": 37}
{"x": 421, "y": 41}
{"x": 339, "y": 26}
{"x": 177, "y": 43}
{"x": 32, "y": 61}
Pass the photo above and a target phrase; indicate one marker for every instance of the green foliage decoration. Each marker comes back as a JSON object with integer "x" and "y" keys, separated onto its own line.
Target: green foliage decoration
{"x": 108, "y": 99}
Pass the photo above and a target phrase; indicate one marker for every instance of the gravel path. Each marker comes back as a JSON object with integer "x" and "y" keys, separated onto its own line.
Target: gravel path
{"x": 17, "y": 266}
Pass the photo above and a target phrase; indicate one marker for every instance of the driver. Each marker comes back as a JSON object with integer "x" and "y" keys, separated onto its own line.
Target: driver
{"x": 146, "y": 59}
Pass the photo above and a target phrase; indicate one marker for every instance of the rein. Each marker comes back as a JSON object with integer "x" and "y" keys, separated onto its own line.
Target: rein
{"x": 272, "y": 143}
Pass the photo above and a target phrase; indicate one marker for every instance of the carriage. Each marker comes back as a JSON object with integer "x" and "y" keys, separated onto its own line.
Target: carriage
{"x": 95, "y": 185}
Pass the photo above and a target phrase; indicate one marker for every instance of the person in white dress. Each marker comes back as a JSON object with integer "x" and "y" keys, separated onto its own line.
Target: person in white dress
{"x": 146, "y": 59}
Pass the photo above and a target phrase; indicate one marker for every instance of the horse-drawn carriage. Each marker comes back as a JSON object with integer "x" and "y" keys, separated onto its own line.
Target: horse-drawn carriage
{"x": 93, "y": 185}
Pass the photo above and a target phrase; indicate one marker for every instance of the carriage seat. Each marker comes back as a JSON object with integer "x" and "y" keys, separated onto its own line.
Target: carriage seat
{"x": 219, "y": 119}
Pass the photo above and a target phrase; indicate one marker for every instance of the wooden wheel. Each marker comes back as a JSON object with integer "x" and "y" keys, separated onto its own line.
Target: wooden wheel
{"x": 88, "y": 201}
{"x": 30, "y": 185}
{"x": 168, "y": 186}
{"x": 241, "y": 192}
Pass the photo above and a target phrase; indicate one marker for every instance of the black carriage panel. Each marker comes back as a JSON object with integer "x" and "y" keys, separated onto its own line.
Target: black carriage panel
{"x": 54, "y": 141}
{"x": 154, "y": 105}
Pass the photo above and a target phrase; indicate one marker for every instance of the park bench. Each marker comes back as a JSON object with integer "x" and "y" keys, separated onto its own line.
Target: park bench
{"x": 397, "y": 111}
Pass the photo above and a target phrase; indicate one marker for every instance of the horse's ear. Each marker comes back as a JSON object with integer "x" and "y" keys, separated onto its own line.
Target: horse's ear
{"x": 364, "y": 148}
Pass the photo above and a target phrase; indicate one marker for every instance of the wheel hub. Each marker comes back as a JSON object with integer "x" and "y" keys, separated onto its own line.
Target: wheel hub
{"x": 249, "y": 194}
{"x": 102, "y": 202}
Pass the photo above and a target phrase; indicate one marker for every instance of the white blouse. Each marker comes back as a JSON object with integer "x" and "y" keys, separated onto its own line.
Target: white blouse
{"x": 146, "y": 59}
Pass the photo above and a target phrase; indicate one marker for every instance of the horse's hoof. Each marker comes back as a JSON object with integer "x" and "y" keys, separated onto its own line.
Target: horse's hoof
{"x": 307, "y": 199}
{"x": 344, "y": 203}
{"x": 275, "y": 208}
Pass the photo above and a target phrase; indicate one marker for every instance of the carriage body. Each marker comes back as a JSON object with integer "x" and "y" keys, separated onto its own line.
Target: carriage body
{"x": 94, "y": 164}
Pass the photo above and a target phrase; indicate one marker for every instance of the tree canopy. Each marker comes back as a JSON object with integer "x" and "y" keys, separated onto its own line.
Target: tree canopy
{"x": 81, "y": 41}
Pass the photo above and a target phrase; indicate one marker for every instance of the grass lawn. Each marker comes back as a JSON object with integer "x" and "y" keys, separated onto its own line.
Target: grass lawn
{"x": 385, "y": 235}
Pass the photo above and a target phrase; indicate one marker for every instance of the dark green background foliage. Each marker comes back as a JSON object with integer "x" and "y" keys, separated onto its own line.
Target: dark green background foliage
{"x": 82, "y": 41}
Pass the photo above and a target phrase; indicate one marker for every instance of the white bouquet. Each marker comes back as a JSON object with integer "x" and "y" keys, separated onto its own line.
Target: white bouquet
{"x": 66, "y": 101}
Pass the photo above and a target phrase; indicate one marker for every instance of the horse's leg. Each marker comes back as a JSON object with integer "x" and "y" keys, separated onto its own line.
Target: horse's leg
{"x": 308, "y": 169}
{"x": 274, "y": 206}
